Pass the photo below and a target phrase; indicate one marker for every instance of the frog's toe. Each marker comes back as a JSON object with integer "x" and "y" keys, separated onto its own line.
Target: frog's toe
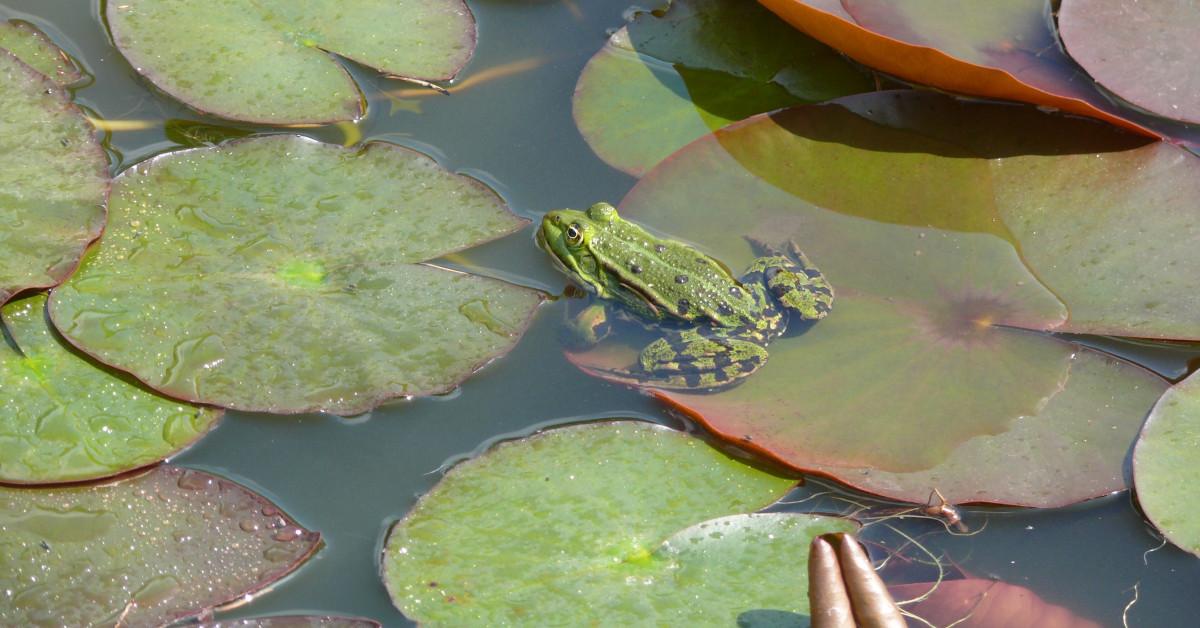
{"x": 699, "y": 362}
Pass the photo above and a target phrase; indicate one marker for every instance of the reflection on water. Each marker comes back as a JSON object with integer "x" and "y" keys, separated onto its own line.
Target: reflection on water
{"x": 350, "y": 479}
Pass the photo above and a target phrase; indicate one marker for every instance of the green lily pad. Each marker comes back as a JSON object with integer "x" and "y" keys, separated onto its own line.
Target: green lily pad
{"x": 620, "y": 523}
{"x": 928, "y": 217}
{"x": 34, "y": 48}
{"x": 281, "y": 274}
{"x": 66, "y": 419}
{"x": 1142, "y": 51}
{"x": 667, "y": 79}
{"x": 143, "y": 551}
{"x": 53, "y": 180}
{"x": 271, "y": 61}
{"x": 1166, "y": 465}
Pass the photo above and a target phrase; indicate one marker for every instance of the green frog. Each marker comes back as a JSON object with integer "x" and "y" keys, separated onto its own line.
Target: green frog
{"x": 725, "y": 322}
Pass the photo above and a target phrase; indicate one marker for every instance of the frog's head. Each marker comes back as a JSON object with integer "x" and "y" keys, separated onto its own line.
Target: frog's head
{"x": 572, "y": 238}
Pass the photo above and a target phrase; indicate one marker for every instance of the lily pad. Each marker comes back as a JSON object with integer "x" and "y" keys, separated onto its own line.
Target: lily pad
{"x": 619, "y": 523}
{"x": 53, "y": 180}
{"x": 271, "y": 61}
{"x": 147, "y": 550}
{"x": 294, "y": 621}
{"x": 932, "y": 237}
{"x": 34, "y": 48}
{"x": 1006, "y": 50}
{"x": 667, "y": 79}
{"x": 1166, "y": 465}
{"x": 66, "y": 419}
{"x": 281, "y": 274}
{"x": 1142, "y": 51}
{"x": 981, "y": 603}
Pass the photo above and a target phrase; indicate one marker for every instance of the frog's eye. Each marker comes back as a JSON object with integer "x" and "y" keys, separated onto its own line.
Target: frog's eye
{"x": 574, "y": 235}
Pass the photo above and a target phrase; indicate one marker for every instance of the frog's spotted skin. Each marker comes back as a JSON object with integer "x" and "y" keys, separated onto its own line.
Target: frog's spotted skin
{"x": 659, "y": 279}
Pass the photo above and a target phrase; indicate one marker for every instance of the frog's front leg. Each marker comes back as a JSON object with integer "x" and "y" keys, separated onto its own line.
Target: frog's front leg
{"x": 588, "y": 327}
{"x": 689, "y": 359}
{"x": 795, "y": 281}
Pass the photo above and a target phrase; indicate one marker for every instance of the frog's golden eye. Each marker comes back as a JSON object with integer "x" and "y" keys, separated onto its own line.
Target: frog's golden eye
{"x": 574, "y": 235}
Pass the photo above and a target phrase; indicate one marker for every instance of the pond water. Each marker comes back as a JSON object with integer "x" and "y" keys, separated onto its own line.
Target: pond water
{"x": 351, "y": 477}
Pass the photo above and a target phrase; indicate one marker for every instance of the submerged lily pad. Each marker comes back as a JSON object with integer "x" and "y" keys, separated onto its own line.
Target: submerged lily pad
{"x": 665, "y": 80}
{"x": 142, "y": 551}
{"x": 1166, "y": 465}
{"x": 619, "y": 523}
{"x": 1142, "y": 51}
{"x": 270, "y": 60}
{"x": 66, "y": 419}
{"x": 294, "y": 621}
{"x": 53, "y": 180}
{"x": 280, "y": 274}
{"x": 34, "y": 48}
{"x": 928, "y": 218}
{"x": 984, "y": 603}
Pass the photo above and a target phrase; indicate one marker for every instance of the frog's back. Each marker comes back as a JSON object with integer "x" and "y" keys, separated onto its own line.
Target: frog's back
{"x": 678, "y": 279}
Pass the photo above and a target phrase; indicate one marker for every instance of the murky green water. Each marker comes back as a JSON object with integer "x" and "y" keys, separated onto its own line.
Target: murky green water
{"x": 349, "y": 478}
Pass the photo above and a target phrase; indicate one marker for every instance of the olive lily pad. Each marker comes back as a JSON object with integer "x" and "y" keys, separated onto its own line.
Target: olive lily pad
{"x": 66, "y": 419}
{"x": 928, "y": 218}
{"x": 270, "y": 60}
{"x": 665, "y": 80}
{"x": 34, "y": 48}
{"x": 1166, "y": 465}
{"x": 1142, "y": 51}
{"x": 281, "y": 274}
{"x": 619, "y": 523}
{"x": 142, "y": 551}
{"x": 53, "y": 180}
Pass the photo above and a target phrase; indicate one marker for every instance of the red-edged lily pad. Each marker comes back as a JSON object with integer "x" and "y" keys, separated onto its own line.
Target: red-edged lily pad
{"x": 281, "y": 274}
{"x": 1005, "y": 50}
{"x": 1166, "y": 465}
{"x": 934, "y": 370}
{"x": 615, "y": 522}
{"x": 142, "y": 551}
{"x": 33, "y": 47}
{"x": 1142, "y": 51}
{"x": 667, "y": 79}
{"x": 272, "y": 60}
{"x": 66, "y": 419}
{"x": 53, "y": 173}
{"x": 979, "y": 603}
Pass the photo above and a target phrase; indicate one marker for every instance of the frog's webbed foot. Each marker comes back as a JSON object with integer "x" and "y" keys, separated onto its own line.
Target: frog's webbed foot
{"x": 794, "y": 280}
{"x": 689, "y": 360}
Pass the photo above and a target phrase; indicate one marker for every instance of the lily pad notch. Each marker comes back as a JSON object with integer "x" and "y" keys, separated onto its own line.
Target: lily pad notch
{"x": 270, "y": 61}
